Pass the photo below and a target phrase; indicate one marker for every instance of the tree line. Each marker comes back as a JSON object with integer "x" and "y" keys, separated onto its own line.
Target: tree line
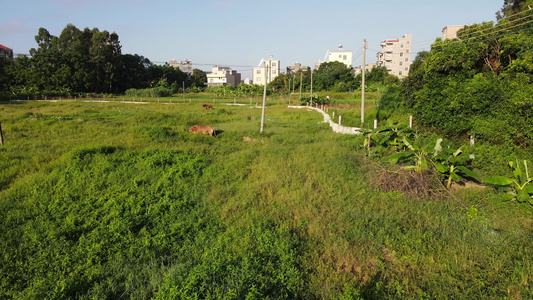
{"x": 86, "y": 61}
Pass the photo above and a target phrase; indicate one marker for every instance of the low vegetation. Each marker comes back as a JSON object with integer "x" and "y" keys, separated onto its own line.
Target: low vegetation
{"x": 118, "y": 200}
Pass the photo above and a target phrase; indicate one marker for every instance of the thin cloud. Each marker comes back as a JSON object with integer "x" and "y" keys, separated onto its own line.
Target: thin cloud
{"x": 14, "y": 26}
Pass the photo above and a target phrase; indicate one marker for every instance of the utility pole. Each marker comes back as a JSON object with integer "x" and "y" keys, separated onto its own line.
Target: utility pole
{"x": 183, "y": 91}
{"x": 363, "y": 86}
{"x": 311, "y": 86}
{"x": 301, "y": 74}
{"x": 264, "y": 97}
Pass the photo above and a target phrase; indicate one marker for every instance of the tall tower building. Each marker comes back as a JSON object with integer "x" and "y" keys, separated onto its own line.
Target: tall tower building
{"x": 396, "y": 55}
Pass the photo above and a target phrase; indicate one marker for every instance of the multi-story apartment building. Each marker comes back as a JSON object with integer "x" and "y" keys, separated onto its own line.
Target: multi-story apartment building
{"x": 262, "y": 75}
{"x": 185, "y": 65}
{"x": 5, "y": 52}
{"x": 223, "y": 76}
{"x": 396, "y": 55}
{"x": 450, "y": 31}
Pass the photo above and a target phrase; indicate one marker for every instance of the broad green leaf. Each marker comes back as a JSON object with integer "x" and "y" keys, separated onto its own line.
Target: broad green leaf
{"x": 498, "y": 180}
{"x": 383, "y": 128}
{"x": 441, "y": 168}
{"x": 410, "y": 144}
{"x": 423, "y": 163}
{"x": 467, "y": 172}
{"x": 522, "y": 195}
{"x": 396, "y": 156}
{"x": 529, "y": 188}
{"x": 456, "y": 177}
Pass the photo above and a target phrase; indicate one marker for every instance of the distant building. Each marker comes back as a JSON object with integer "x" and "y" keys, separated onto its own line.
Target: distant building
{"x": 5, "y": 52}
{"x": 296, "y": 68}
{"x": 261, "y": 75}
{"x": 223, "y": 76}
{"x": 450, "y": 32}
{"x": 185, "y": 65}
{"x": 396, "y": 55}
{"x": 358, "y": 70}
{"x": 341, "y": 55}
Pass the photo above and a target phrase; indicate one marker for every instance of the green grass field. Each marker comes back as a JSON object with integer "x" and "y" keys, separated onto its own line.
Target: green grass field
{"x": 111, "y": 200}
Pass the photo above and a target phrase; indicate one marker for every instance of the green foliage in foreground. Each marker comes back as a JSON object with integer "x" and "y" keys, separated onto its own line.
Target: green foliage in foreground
{"x": 106, "y": 221}
{"x": 117, "y": 200}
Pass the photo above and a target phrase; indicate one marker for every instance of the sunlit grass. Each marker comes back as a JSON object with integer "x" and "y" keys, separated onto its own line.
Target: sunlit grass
{"x": 122, "y": 201}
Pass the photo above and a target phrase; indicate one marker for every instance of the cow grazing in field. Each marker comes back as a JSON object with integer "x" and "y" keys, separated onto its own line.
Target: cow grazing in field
{"x": 203, "y": 129}
{"x": 208, "y": 106}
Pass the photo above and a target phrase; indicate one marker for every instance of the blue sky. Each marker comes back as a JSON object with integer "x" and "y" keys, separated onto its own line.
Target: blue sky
{"x": 239, "y": 33}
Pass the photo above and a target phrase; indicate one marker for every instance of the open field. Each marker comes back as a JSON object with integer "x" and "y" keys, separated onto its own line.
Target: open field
{"x": 117, "y": 200}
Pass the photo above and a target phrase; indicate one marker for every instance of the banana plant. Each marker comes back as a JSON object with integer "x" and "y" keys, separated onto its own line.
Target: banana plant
{"x": 451, "y": 164}
{"x": 388, "y": 136}
{"x": 420, "y": 155}
{"x": 521, "y": 184}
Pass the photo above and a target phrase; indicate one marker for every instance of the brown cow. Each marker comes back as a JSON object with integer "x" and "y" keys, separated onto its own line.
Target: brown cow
{"x": 203, "y": 129}
{"x": 208, "y": 106}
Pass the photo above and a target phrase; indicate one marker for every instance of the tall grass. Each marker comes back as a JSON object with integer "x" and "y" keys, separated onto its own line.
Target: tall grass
{"x": 117, "y": 200}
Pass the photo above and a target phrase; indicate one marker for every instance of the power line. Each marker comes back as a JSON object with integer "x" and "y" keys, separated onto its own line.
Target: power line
{"x": 485, "y": 40}
{"x": 479, "y": 32}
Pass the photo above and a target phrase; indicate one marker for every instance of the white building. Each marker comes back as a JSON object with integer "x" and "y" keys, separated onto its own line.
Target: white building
{"x": 341, "y": 55}
{"x": 262, "y": 75}
{"x": 223, "y": 76}
{"x": 396, "y": 55}
{"x": 185, "y": 65}
{"x": 450, "y": 32}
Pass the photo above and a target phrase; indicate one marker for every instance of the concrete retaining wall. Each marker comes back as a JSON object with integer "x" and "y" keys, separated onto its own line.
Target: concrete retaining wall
{"x": 334, "y": 126}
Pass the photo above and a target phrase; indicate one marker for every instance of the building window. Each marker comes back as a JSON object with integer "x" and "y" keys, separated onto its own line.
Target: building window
{"x": 406, "y": 69}
{"x": 407, "y": 59}
{"x": 401, "y": 63}
{"x": 258, "y": 79}
{"x": 407, "y": 42}
{"x": 273, "y": 64}
{"x": 400, "y": 73}
{"x": 406, "y": 50}
{"x": 274, "y": 72}
{"x": 401, "y": 54}
{"x": 401, "y": 46}
{"x": 258, "y": 72}
{"x": 344, "y": 57}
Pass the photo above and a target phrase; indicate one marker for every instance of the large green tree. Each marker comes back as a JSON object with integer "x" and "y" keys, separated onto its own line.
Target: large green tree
{"x": 479, "y": 83}
{"x": 333, "y": 76}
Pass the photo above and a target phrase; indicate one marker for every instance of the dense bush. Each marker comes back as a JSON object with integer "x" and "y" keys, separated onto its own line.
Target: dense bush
{"x": 476, "y": 85}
